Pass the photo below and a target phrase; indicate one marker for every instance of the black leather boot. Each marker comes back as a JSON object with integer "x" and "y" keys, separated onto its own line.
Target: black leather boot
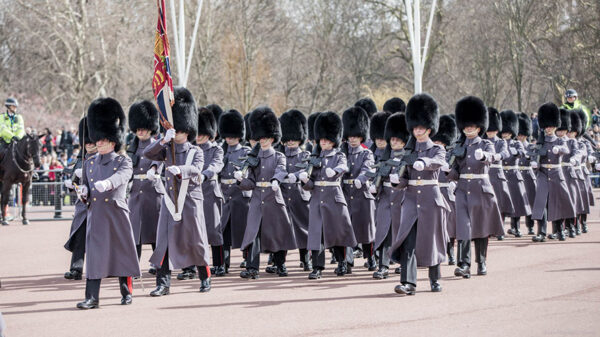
{"x": 315, "y": 274}
{"x": 89, "y": 303}
{"x": 73, "y": 275}
{"x": 205, "y": 285}
{"x": 381, "y": 274}
{"x": 250, "y": 274}
{"x": 463, "y": 271}
{"x": 405, "y": 289}
{"x": 160, "y": 291}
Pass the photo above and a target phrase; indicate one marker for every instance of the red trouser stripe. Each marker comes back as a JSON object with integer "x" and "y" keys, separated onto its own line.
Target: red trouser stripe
{"x": 130, "y": 284}
{"x": 207, "y": 270}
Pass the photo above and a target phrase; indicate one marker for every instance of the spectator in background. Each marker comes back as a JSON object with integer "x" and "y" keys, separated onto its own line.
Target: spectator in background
{"x": 66, "y": 142}
{"x": 596, "y": 120}
{"x": 47, "y": 140}
{"x": 64, "y": 159}
{"x": 535, "y": 126}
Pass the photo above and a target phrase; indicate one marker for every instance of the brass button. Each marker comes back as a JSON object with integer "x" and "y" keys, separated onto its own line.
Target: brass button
{"x": 170, "y": 188}
{"x": 469, "y": 156}
{"x": 321, "y": 190}
{"x": 91, "y": 179}
{"x": 141, "y": 169}
{"x": 289, "y": 188}
{"x": 168, "y": 178}
{"x": 419, "y": 192}
{"x": 321, "y": 201}
{"x": 92, "y": 163}
{"x": 289, "y": 199}
{"x": 262, "y": 167}
{"x": 90, "y": 171}
{"x": 418, "y": 206}
{"x": 141, "y": 191}
{"x": 142, "y": 157}
{"x": 106, "y": 199}
{"x": 114, "y": 169}
{"x": 262, "y": 202}
{"x": 94, "y": 199}
{"x": 391, "y": 203}
{"x": 263, "y": 190}
{"x": 469, "y": 192}
{"x": 418, "y": 177}
{"x": 351, "y": 197}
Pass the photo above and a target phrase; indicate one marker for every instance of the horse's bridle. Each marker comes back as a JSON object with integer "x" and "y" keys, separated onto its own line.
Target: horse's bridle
{"x": 30, "y": 161}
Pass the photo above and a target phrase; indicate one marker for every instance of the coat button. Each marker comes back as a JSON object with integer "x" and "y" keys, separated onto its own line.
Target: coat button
{"x": 391, "y": 203}
{"x": 418, "y": 206}
{"x": 351, "y": 197}
{"x": 321, "y": 190}
{"x": 262, "y": 191}
{"x": 419, "y": 192}
{"x": 469, "y": 156}
{"x": 94, "y": 199}
{"x": 168, "y": 178}
{"x": 141, "y": 169}
{"x": 141, "y": 191}
{"x": 90, "y": 171}
{"x": 142, "y": 158}
{"x": 469, "y": 192}
{"x": 92, "y": 179}
{"x": 262, "y": 167}
{"x": 418, "y": 177}
{"x": 170, "y": 188}
{"x": 289, "y": 199}
{"x": 262, "y": 202}
{"x": 114, "y": 169}
{"x": 92, "y": 162}
{"x": 321, "y": 201}
{"x": 290, "y": 187}
{"x": 106, "y": 199}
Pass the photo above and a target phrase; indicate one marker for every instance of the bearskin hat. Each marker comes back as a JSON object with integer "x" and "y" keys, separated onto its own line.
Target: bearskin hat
{"x": 106, "y": 121}
{"x": 395, "y": 126}
{"x": 293, "y": 126}
{"x": 548, "y": 116}
{"x": 311, "y": 124}
{"x": 264, "y": 124}
{"x": 565, "y": 119}
{"x": 510, "y": 123}
{"x": 576, "y": 125}
{"x": 368, "y": 105}
{"x": 143, "y": 115}
{"x": 377, "y": 129}
{"x": 394, "y": 105}
{"x": 231, "y": 125}
{"x": 584, "y": 119}
{"x": 83, "y": 132}
{"x": 207, "y": 124}
{"x": 525, "y": 128}
{"x": 447, "y": 131}
{"x": 217, "y": 111}
{"x": 328, "y": 125}
{"x": 422, "y": 110}
{"x": 495, "y": 121}
{"x": 356, "y": 123}
{"x": 469, "y": 111}
{"x": 185, "y": 113}
{"x": 247, "y": 124}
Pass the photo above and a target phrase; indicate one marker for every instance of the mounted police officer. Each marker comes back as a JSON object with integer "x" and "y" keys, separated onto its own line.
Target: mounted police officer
{"x": 11, "y": 125}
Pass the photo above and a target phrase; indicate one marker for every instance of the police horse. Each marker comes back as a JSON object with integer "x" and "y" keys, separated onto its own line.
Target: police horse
{"x": 17, "y": 166}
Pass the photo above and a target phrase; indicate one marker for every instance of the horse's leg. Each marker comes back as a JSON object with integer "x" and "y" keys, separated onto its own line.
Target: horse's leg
{"x": 24, "y": 200}
{"x": 4, "y": 202}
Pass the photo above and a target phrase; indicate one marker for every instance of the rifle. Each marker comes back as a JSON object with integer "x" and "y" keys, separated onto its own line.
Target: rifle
{"x": 458, "y": 151}
{"x": 249, "y": 161}
{"x": 313, "y": 161}
{"x": 408, "y": 157}
{"x": 540, "y": 150}
{"x": 384, "y": 167}
{"x": 131, "y": 150}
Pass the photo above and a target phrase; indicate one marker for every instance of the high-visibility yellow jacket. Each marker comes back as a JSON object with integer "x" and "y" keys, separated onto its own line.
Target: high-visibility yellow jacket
{"x": 11, "y": 126}
{"x": 577, "y": 105}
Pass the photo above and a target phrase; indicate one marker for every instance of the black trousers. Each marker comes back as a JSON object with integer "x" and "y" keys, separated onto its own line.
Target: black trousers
{"x": 304, "y": 255}
{"x": 340, "y": 253}
{"x": 138, "y": 248}
{"x": 450, "y": 248}
{"x": 92, "y": 287}
{"x": 529, "y": 221}
{"x": 464, "y": 251}
{"x": 78, "y": 246}
{"x": 514, "y": 222}
{"x": 163, "y": 274}
{"x": 384, "y": 249}
{"x": 408, "y": 260}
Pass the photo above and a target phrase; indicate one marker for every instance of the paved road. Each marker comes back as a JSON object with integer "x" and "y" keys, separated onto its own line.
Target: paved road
{"x": 550, "y": 289}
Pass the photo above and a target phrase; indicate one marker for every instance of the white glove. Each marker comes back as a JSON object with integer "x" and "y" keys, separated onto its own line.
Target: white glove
{"x": 303, "y": 177}
{"x": 68, "y": 184}
{"x": 82, "y": 192}
{"x": 329, "y": 172}
{"x": 598, "y": 167}
{"x": 151, "y": 174}
{"x": 478, "y": 154}
{"x": 555, "y": 149}
{"x": 534, "y": 164}
{"x": 445, "y": 167}
{"x": 573, "y": 162}
{"x": 513, "y": 151}
{"x": 238, "y": 175}
{"x": 357, "y": 184}
{"x": 170, "y": 134}
{"x": 394, "y": 178}
{"x": 497, "y": 157}
{"x": 292, "y": 178}
{"x": 591, "y": 159}
{"x": 103, "y": 185}
{"x": 419, "y": 165}
{"x": 372, "y": 189}
{"x": 174, "y": 169}
{"x": 78, "y": 173}
{"x": 201, "y": 178}
{"x": 275, "y": 185}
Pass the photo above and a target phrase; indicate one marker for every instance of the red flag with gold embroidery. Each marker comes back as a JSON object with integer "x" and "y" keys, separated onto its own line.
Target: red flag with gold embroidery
{"x": 162, "y": 83}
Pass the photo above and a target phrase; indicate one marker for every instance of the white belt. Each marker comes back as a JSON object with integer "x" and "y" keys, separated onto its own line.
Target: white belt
{"x": 551, "y": 166}
{"x": 263, "y": 184}
{"x": 566, "y": 164}
{"x": 287, "y": 181}
{"x": 327, "y": 183}
{"x": 498, "y": 166}
{"x": 473, "y": 176}
{"x": 140, "y": 176}
{"x": 510, "y": 168}
{"x": 387, "y": 184}
{"x": 446, "y": 185}
{"x": 182, "y": 192}
{"x": 422, "y": 182}
{"x": 348, "y": 181}
{"x": 228, "y": 181}
{"x": 524, "y": 168}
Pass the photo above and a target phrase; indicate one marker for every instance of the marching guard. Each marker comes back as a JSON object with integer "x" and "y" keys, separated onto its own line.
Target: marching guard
{"x": 477, "y": 213}
{"x": 181, "y": 238}
{"x": 529, "y": 179}
{"x": 587, "y": 152}
{"x": 144, "y": 198}
{"x": 110, "y": 246}
{"x": 376, "y": 132}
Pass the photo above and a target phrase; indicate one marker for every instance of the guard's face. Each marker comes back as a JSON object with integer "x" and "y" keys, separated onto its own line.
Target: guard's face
{"x": 180, "y": 137}
{"x": 232, "y": 141}
{"x": 471, "y": 131}
{"x": 491, "y": 134}
{"x": 105, "y": 146}
{"x": 91, "y": 148}
{"x": 143, "y": 134}
{"x": 572, "y": 134}
{"x": 292, "y": 144}
{"x": 506, "y": 135}
{"x": 354, "y": 141}
{"x": 550, "y": 130}
{"x": 380, "y": 143}
{"x": 266, "y": 143}
{"x": 561, "y": 133}
{"x": 201, "y": 139}
{"x": 326, "y": 144}
{"x": 396, "y": 143}
{"x": 522, "y": 138}
{"x": 421, "y": 132}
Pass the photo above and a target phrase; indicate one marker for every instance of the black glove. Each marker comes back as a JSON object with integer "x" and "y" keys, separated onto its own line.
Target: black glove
{"x": 15, "y": 139}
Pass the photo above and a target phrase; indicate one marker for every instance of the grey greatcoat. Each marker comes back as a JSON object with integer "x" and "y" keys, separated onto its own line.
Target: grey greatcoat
{"x": 552, "y": 191}
{"x": 235, "y": 208}
{"x": 516, "y": 185}
{"x": 109, "y": 244}
{"x": 361, "y": 203}
{"x": 425, "y": 204}
{"x": 582, "y": 178}
{"x": 447, "y": 188}
{"x": 296, "y": 198}
{"x": 80, "y": 211}
{"x": 588, "y": 182}
{"x": 144, "y": 199}
{"x": 477, "y": 212}
{"x": 529, "y": 179}
{"x": 388, "y": 210}
{"x": 570, "y": 174}
{"x": 186, "y": 239}
{"x": 329, "y": 220}
{"x": 498, "y": 179}
{"x": 267, "y": 212}
{"x": 211, "y": 190}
